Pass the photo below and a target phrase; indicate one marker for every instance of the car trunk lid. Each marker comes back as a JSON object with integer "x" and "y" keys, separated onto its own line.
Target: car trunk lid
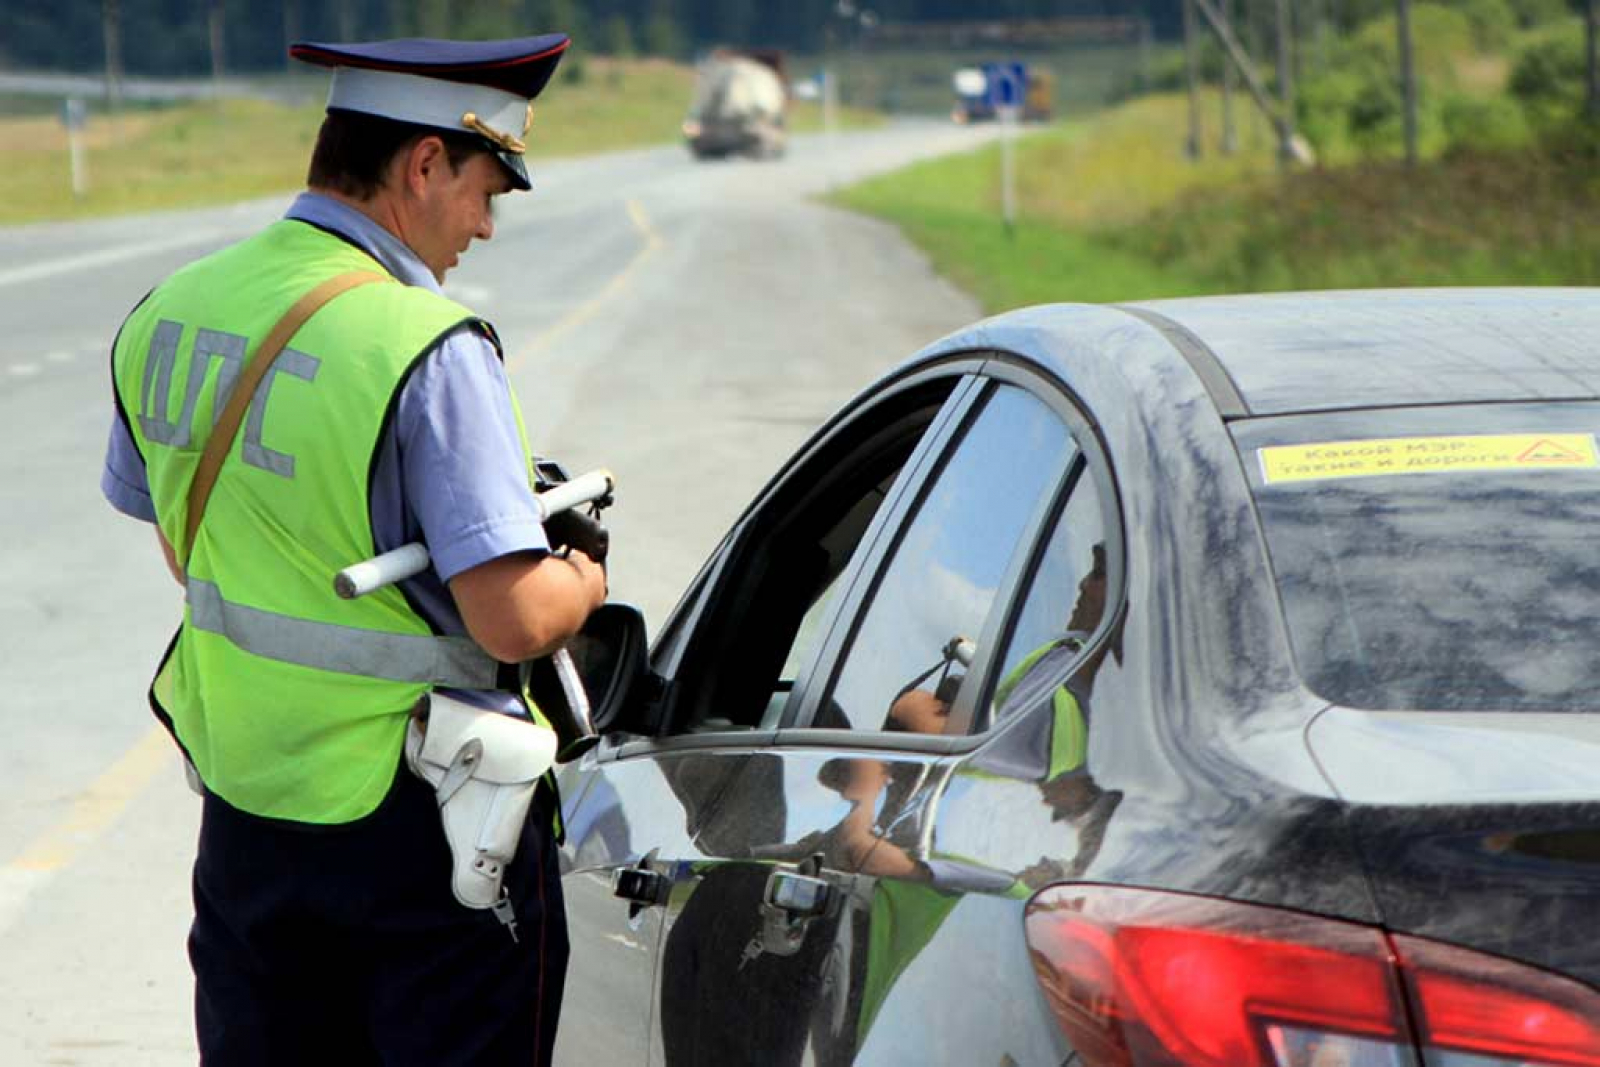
{"x": 1477, "y": 829}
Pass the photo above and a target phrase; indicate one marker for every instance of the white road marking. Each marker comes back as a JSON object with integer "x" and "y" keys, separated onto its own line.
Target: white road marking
{"x": 16, "y": 886}
{"x": 60, "y": 357}
{"x": 470, "y": 295}
{"x": 589, "y": 308}
{"x": 621, "y": 939}
{"x": 103, "y": 257}
{"x": 24, "y": 370}
{"x": 96, "y": 808}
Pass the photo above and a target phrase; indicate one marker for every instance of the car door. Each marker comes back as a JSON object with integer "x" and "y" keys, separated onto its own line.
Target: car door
{"x": 816, "y": 886}
{"x": 638, "y": 803}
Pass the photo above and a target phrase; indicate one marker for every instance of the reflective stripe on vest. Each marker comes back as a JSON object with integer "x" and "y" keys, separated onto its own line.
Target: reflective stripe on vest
{"x": 454, "y": 662}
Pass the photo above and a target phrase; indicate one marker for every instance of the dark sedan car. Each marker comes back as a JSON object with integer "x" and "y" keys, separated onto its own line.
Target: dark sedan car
{"x": 1201, "y": 682}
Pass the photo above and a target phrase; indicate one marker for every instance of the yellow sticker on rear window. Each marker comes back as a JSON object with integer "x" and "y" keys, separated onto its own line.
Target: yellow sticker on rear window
{"x": 1426, "y": 455}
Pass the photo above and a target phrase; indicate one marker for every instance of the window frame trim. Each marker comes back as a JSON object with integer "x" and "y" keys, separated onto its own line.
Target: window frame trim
{"x": 1095, "y": 456}
{"x": 686, "y": 618}
{"x": 980, "y": 371}
{"x": 1001, "y": 368}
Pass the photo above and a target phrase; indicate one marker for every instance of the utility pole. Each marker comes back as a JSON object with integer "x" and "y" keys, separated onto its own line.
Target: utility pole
{"x": 1285, "y": 76}
{"x": 291, "y": 30}
{"x": 111, "y": 31}
{"x": 1290, "y": 146}
{"x": 1192, "y": 65}
{"x": 219, "y": 63}
{"x": 1230, "y": 78}
{"x": 1144, "y": 53}
{"x": 1591, "y": 25}
{"x": 1408, "y": 80}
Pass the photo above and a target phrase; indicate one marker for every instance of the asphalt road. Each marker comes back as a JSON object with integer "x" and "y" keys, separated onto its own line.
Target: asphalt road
{"x": 684, "y": 324}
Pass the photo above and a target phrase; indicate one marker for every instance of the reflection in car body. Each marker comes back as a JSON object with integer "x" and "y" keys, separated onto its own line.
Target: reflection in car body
{"x": 1201, "y": 682}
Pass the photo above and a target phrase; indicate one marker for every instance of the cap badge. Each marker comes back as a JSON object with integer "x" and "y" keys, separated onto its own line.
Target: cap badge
{"x": 506, "y": 141}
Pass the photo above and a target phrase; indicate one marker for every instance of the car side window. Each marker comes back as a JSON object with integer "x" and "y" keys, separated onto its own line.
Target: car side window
{"x": 783, "y": 576}
{"x": 917, "y": 635}
{"x": 1065, "y": 602}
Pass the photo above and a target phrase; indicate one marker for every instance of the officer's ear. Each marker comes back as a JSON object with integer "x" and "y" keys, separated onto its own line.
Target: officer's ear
{"x": 421, "y": 162}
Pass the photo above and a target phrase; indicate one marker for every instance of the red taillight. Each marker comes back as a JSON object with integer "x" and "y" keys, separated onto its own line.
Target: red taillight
{"x": 1139, "y": 978}
{"x": 1468, "y": 1002}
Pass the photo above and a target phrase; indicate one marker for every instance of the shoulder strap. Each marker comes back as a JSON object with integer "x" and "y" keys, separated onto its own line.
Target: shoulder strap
{"x": 227, "y": 425}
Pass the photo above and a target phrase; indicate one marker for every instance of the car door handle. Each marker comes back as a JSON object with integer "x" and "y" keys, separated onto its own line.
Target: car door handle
{"x": 796, "y": 895}
{"x": 640, "y": 885}
{"x": 790, "y": 902}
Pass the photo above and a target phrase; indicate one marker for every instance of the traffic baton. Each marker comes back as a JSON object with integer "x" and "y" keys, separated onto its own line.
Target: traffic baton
{"x": 401, "y": 563}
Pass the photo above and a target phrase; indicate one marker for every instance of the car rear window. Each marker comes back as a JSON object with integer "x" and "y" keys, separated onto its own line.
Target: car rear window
{"x": 1437, "y": 558}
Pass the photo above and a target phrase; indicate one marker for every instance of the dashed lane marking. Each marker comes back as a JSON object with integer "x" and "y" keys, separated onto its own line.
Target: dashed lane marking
{"x": 96, "y": 808}
{"x": 103, "y": 257}
{"x": 591, "y": 307}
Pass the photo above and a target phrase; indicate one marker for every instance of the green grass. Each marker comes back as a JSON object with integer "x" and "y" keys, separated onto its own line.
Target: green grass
{"x": 1076, "y": 183}
{"x": 1112, "y": 210}
{"x": 222, "y": 151}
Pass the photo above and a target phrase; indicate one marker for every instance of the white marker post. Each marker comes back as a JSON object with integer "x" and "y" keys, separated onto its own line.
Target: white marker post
{"x": 74, "y": 116}
{"x": 1007, "y": 94}
{"x": 830, "y": 124}
{"x": 1008, "y": 165}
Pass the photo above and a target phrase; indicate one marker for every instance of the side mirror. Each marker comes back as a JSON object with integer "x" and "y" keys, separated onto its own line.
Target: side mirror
{"x": 611, "y": 654}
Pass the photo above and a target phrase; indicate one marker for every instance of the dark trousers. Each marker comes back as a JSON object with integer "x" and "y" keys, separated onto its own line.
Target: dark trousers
{"x": 344, "y": 945}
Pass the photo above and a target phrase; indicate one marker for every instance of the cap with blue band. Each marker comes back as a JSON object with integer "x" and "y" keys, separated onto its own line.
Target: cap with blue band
{"x": 480, "y": 87}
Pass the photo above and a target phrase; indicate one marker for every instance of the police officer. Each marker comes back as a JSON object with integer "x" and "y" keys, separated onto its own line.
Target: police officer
{"x": 325, "y": 928}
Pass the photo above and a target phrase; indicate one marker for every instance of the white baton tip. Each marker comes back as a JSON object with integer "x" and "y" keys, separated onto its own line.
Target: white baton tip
{"x": 358, "y": 579}
{"x": 580, "y": 490}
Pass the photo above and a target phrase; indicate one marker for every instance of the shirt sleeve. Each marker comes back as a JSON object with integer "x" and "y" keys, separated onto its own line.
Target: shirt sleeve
{"x": 463, "y": 469}
{"x": 123, "y": 480}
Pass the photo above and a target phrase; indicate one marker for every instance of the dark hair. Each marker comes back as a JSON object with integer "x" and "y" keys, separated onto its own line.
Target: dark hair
{"x": 354, "y": 150}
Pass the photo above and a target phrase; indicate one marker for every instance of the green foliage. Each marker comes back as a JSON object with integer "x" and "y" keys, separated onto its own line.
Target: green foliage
{"x": 616, "y": 39}
{"x": 1492, "y": 22}
{"x": 1439, "y": 36}
{"x": 1539, "y": 12}
{"x": 663, "y": 37}
{"x": 486, "y": 19}
{"x": 1349, "y": 103}
{"x": 1490, "y": 218}
{"x": 1550, "y": 75}
{"x": 1094, "y": 227}
{"x": 1483, "y": 123}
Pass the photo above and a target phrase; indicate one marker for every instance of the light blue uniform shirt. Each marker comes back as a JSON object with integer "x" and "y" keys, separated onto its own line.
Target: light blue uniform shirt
{"x": 450, "y": 470}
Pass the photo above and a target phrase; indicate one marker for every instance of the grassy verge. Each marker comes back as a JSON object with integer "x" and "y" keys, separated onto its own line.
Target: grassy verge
{"x": 1111, "y": 209}
{"x": 221, "y": 151}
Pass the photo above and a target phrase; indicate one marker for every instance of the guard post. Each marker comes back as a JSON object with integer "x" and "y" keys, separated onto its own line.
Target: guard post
{"x": 75, "y": 116}
{"x": 1007, "y": 86}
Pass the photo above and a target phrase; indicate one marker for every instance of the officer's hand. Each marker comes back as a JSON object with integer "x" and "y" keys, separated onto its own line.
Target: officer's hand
{"x": 593, "y": 575}
{"x": 574, "y": 529}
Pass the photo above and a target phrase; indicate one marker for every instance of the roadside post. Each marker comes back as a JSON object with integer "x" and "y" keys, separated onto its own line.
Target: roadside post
{"x": 74, "y": 116}
{"x": 830, "y": 122}
{"x": 1008, "y": 89}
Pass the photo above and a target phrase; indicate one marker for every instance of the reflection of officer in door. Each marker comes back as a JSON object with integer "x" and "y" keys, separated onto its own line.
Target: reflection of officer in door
{"x": 1066, "y": 784}
{"x": 721, "y": 1001}
{"x": 913, "y": 893}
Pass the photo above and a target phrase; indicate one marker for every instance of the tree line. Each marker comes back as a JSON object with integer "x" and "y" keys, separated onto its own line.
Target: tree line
{"x": 186, "y": 37}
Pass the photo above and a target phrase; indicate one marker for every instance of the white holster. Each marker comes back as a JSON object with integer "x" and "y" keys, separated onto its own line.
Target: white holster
{"x": 484, "y": 768}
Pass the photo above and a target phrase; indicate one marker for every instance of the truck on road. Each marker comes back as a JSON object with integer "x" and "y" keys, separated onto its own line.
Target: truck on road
{"x": 740, "y": 107}
{"x": 981, "y": 92}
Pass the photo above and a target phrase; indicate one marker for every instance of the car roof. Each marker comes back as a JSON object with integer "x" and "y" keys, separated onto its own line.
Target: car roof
{"x": 1325, "y": 351}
